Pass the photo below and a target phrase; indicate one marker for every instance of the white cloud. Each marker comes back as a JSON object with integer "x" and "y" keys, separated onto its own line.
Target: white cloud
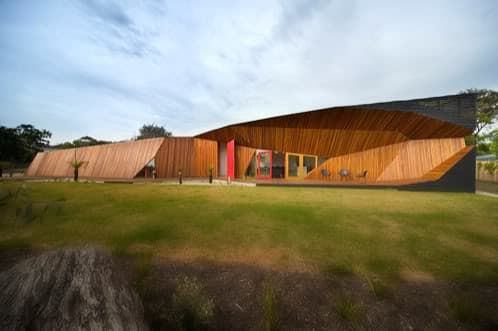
{"x": 104, "y": 68}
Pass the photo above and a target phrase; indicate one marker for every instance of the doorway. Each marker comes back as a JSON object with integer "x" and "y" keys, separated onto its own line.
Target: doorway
{"x": 264, "y": 164}
{"x": 299, "y": 166}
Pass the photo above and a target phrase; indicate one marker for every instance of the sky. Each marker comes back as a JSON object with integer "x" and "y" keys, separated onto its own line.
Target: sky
{"x": 104, "y": 68}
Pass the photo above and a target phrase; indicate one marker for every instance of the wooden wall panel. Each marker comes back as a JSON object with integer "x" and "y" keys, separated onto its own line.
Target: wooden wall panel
{"x": 417, "y": 157}
{"x": 194, "y": 156}
{"x": 374, "y": 160}
{"x": 206, "y": 155}
{"x": 401, "y": 162}
{"x": 243, "y": 156}
{"x": 119, "y": 160}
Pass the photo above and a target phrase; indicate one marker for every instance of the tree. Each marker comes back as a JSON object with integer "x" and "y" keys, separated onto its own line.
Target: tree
{"x": 493, "y": 145}
{"x": 20, "y": 144}
{"x": 81, "y": 142}
{"x": 152, "y": 131}
{"x": 487, "y": 108}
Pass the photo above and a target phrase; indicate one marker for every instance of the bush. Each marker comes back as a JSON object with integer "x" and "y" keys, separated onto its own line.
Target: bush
{"x": 347, "y": 309}
{"x": 191, "y": 308}
{"x": 490, "y": 167}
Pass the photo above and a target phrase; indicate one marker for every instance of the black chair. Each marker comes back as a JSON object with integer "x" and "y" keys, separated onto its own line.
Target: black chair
{"x": 363, "y": 175}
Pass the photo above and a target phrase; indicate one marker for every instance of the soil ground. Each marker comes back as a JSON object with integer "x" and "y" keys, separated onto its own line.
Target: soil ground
{"x": 308, "y": 301}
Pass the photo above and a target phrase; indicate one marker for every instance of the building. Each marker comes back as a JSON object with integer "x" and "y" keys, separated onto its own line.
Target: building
{"x": 413, "y": 144}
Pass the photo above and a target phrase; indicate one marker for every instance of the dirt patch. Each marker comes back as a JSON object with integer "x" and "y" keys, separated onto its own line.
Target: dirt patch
{"x": 310, "y": 301}
{"x": 306, "y": 300}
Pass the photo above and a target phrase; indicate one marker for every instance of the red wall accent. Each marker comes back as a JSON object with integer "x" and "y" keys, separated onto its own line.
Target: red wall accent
{"x": 231, "y": 159}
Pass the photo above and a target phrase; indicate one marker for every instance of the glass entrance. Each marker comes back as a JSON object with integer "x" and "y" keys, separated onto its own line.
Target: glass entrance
{"x": 299, "y": 165}
{"x": 293, "y": 165}
{"x": 264, "y": 164}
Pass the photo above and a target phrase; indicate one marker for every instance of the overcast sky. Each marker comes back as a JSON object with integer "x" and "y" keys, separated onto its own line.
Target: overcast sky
{"x": 103, "y": 68}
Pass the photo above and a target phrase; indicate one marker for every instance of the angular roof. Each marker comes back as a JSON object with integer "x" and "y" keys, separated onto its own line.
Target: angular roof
{"x": 347, "y": 129}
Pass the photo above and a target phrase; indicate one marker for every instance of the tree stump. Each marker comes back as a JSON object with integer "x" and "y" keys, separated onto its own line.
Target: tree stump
{"x": 68, "y": 289}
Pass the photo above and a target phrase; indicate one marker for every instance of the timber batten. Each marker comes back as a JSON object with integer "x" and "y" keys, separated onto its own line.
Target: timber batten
{"x": 399, "y": 142}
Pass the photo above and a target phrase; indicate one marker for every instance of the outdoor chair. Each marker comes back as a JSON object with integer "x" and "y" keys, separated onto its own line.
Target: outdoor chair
{"x": 344, "y": 173}
{"x": 325, "y": 172}
{"x": 363, "y": 175}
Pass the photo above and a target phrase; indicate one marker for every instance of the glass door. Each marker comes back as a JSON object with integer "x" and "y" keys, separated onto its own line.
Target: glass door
{"x": 299, "y": 166}
{"x": 264, "y": 164}
{"x": 309, "y": 163}
{"x": 293, "y": 165}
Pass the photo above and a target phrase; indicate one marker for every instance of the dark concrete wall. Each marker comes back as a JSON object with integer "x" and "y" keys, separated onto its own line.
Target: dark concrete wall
{"x": 460, "y": 178}
{"x": 457, "y": 109}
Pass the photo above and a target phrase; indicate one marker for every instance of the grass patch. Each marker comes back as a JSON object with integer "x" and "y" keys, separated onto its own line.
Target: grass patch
{"x": 338, "y": 231}
{"x": 270, "y": 309}
{"x": 347, "y": 309}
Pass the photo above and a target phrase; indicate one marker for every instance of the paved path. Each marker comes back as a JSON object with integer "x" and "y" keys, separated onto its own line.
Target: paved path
{"x": 487, "y": 194}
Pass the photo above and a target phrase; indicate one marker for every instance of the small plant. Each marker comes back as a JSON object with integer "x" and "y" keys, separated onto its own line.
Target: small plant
{"x": 378, "y": 288}
{"x": 270, "y": 309}
{"x": 210, "y": 170}
{"x": 347, "y": 309}
{"x": 192, "y": 309}
{"x": 180, "y": 180}
{"x": 490, "y": 168}
{"x": 76, "y": 165}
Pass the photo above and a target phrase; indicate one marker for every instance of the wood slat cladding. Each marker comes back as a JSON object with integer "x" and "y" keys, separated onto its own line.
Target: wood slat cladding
{"x": 243, "y": 156}
{"x": 192, "y": 155}
{"x": 374, "y": 160}
{"x": 337, "y": 131}
{"x": 403, "y": 162}
{"x": 119, "y": 160}
{"x": 445, "y": 166}
{"x": 417, "y": 157}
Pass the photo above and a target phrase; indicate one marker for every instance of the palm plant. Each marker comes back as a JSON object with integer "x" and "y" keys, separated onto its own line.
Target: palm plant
{"x": 76, "y": 165}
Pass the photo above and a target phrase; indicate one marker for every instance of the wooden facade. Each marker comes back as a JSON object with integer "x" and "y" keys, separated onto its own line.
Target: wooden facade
{"x": 404, "y": 162}
{"x": 243, "y": 156}
{"x": 120, "y": 160}
{"x": 192, "y": 156}
{"x": 400, "y": 142}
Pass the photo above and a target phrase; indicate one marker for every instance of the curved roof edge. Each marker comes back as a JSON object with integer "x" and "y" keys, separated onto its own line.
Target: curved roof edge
{"x": 459, "y": 109}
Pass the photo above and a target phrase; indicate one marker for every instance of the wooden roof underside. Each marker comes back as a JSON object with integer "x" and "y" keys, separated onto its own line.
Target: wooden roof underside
{"x": 336, "y": 131}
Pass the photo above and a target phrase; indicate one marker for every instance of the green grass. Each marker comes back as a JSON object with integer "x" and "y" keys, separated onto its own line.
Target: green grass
{"x": 375, "y": 232}
{"x": 347, "y": 309}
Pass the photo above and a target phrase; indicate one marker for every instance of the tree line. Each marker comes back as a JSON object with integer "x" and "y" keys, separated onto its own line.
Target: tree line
{"x": 19, "y": 145}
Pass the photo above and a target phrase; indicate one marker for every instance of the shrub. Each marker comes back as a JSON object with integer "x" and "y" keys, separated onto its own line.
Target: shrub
{"x": 347, "y": 309}
{"x": 490, "y": 167}
{"x": 191, "y": 308}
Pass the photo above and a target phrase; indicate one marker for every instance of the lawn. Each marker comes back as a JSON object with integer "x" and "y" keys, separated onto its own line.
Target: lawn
{"x": 388, "y": 233}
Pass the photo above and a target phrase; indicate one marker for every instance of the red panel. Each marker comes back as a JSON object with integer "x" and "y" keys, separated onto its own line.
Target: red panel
{"x": 231, "y": 159}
